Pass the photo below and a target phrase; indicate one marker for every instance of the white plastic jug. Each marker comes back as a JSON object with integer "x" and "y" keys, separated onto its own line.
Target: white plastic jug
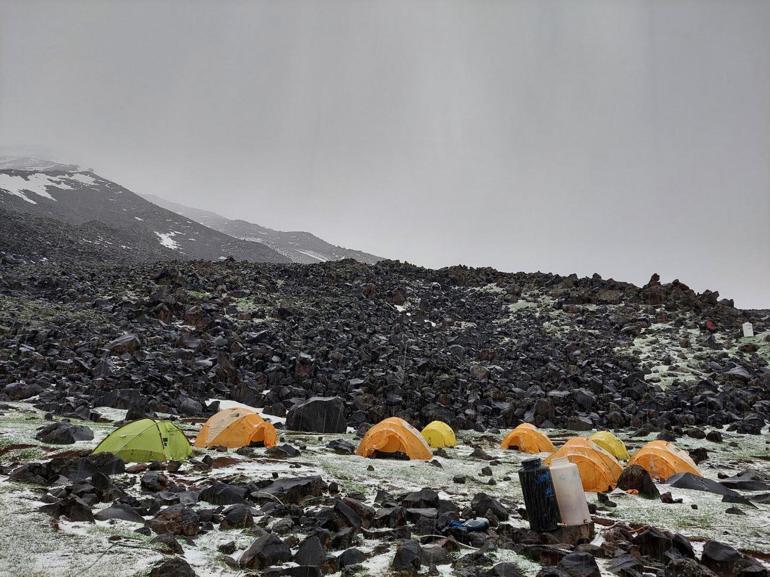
{"x": 570, "y": 496}
{"x": 748, "y": 329}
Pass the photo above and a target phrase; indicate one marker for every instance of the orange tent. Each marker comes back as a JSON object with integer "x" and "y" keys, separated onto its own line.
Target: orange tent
{"x": 528, "y": 439}
{"x": 662, "y": 460}
{"x": 394, "y": 435}
{"x": 599, "y": 470}
{"x": 234, "y": 428}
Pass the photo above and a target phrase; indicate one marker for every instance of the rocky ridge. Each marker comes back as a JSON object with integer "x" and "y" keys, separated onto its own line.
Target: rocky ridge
{"x": 476, "y": 348}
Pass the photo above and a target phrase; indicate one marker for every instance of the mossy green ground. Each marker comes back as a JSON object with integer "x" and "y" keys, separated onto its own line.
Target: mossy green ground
{"x": 31, "y": 545}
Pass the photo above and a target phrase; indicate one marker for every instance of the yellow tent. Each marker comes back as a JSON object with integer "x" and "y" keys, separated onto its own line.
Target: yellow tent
{"x": 394, "y": 435}
{"x": 528, "y": 439}
{"x": 234, "y": 428}
{"x": 599, "y": 470}
{"x": 662, "y": 460}
{"x": 611, "y": 444}
{"x": 146, "y": 440}
{"x": 439, "y": 434}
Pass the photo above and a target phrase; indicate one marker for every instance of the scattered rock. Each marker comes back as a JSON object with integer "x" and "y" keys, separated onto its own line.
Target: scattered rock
{"x": 63, "y": 433}
{"x": 408, "y": 558}
{"x": 177, "y": 520}
{"x": 636, "y": 478}
{"x": 172, "y": 567}
{"x": 266, "y": 551}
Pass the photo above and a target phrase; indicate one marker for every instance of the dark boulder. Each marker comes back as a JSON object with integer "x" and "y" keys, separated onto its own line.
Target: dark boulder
{"x": 223, "y": 494}
{"x": 283, "y": 451}
{"x": 71, "y": 507}
{"x": 237, "y": 516}
{"x": 310, "y": 552}
{"x": 695, "y": 483}
{"x": 64, "y": 433}
{"x": 504, "y": 570}
{"x": 167, "y": 544}
{"x": 341, "y": 447}
{"x": 482, "y": 504}
{"x": 266, "y": 551}
{"x": 699, "y": 455}
{"x": 121, "y": 511}
{"x": 127, "y": 343}
{"x": 172, "y": 567}
{"x": 350, "y": 557}
{"x": 318, "y": 415}
{"x": 408, "y": 558}
{"x": 748, "y": 480}
{"x": 579, "y": 565}
{"x": 625, "y": 565}
{"x": 294, "y": 491}
{"x": 687, "y": 568}
{"x": 21, "y": 391}
{"x": 423, "y": 499}
{"x": 653, "y": 542}
{"x": 177, "y": 520}
{"x": 720, "y": 558}
{"x": 638, "y": 479}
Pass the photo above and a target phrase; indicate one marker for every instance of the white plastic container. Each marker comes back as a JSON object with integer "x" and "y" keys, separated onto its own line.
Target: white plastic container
{"x": 570, "y": 496}
{"x": 748, "y": 329}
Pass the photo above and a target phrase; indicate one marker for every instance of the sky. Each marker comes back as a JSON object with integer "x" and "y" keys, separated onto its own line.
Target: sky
{"x": 623, "y": 138}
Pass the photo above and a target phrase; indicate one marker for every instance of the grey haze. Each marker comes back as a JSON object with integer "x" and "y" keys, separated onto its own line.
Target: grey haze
{"x": 619, "y": 137}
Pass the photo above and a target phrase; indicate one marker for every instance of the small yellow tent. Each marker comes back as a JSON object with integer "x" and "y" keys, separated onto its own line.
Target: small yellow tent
{"x": 394, "y": 435}
{"x": 234, "y": 428}
{"x": 438, "y": 434}
{"x": 599, "y": 470}
{"x": 528, "y": 439}
{"x": 662, "y": 460}
{"x": 146, "y": 440}
{"x": 611, "y": 444}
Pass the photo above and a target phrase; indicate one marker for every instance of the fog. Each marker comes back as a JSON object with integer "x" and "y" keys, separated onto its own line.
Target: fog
{"x": 623, "y": 138}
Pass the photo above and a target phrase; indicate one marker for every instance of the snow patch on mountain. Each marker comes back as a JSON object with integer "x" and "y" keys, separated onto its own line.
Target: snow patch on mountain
{"x": 35, "y": 183}
{"x": 311, "y": 254}
{"x": 167, "y": 239}
{"x": 84, "y": 178}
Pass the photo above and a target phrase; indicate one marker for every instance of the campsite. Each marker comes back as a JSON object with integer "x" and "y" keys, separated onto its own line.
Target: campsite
{"x": 388, "y": 472}
{"x": 384, "y": 288}
{"x": 476, "y": 470}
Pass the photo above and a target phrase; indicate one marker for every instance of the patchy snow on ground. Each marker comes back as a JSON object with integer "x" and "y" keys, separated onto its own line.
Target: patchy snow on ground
{"x": 82, "y": 178}
{"x": 167, "y": 239}
{"x": 317, "y": 256}
{"x": 113, "y": 548}
{"x": 35, "y": 183}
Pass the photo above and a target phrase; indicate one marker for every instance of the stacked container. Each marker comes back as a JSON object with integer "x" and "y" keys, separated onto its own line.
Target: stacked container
{"x": 539, "y": 495}
{"x": 570, "y": 496}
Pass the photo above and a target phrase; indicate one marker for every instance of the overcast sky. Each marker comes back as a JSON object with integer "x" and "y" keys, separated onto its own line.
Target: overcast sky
{"x": 617, "y": 137}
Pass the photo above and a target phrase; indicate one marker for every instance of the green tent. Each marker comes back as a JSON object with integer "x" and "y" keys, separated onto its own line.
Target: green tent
{"x": 146, "y": 440}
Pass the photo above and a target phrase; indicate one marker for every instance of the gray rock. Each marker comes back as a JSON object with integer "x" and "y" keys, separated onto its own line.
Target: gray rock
{"x": 318, "y": 415}
{"x": 266, "y": 551}
{"x": 172, "y": 567}
{"x": 63, "y": 433}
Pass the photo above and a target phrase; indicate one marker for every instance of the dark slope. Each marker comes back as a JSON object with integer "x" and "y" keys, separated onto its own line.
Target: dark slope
{"x": 78, "y": 197}
{"x": 299, "y": 246}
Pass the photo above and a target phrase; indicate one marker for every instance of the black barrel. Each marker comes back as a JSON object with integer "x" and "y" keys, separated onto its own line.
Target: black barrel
{"x": 539, "y": 495}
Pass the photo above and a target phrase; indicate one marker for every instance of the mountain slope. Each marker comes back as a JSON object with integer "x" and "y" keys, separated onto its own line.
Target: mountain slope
{"x": 299, "y": 246}
{"x": 73, "y": 196}
{"x": 39, "y": 238}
